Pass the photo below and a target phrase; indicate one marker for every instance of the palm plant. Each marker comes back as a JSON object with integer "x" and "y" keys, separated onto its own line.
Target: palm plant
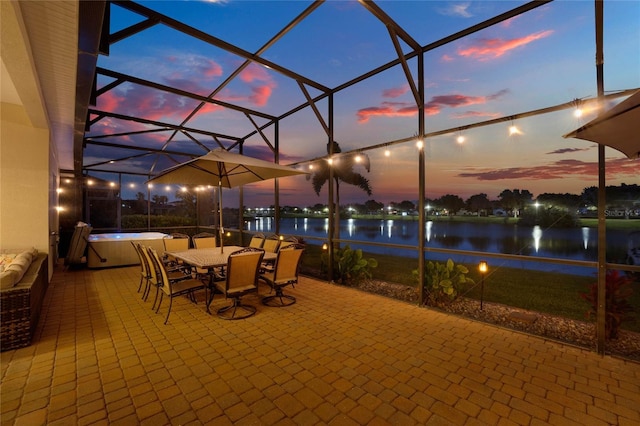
{"x": 342, "y": 172}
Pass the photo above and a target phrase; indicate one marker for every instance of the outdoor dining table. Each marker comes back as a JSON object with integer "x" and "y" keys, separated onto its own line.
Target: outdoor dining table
{"x": 210, "y": 258}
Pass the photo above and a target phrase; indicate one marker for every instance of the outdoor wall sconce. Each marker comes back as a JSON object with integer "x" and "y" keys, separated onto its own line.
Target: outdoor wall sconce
{"x": 483, "y": 267}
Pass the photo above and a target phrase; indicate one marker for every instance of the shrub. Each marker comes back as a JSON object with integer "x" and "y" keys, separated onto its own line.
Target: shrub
{"x": 349, "y": 265}
{"x": 443, "y": 281}
{"x": 617, "y": 308}
{"x": 548, "y": 218}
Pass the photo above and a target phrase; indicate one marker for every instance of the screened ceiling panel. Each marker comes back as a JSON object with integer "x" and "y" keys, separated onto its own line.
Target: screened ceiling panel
{"x": 181, "y": 78}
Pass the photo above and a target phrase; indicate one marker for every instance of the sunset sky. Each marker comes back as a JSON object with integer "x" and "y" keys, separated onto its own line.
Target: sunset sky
{"x": 539, "y": 59}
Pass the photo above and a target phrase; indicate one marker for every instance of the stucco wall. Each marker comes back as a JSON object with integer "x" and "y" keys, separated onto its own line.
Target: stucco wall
{"x": 24, "y": 181}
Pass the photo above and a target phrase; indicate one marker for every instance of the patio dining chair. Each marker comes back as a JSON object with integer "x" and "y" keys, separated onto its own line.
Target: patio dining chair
{"x": 257, "y": 241}
{"x": 271, "y": 244}
{"x": 155, "y": 280}
{"x": 172, "y": 287}
{"x": 284, "y": 273}
{"x": 145, "y": 275}
{"x": 204, "y": 240}
{"x": 286, "y": 242}
{"x": 175, "y": 242}
{"x": 241, "y": 278}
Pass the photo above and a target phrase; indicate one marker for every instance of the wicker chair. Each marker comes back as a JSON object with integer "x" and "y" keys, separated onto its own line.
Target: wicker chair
{"x": 284, "y": 273}
{"x": 242, "y": 278}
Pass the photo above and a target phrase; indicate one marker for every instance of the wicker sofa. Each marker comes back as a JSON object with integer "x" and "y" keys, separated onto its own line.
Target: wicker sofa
{"x": 24, "y": 281}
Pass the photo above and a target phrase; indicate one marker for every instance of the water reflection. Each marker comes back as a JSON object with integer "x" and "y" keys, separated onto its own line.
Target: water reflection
{"x": 569, "y": 243}
{"x": 585, "y": 237}
{"x": 479, "y": 243}
{"x": 537, "y": 235}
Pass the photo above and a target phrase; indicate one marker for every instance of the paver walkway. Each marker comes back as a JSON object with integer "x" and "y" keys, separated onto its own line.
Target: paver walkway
{"x": 338, "y": 357}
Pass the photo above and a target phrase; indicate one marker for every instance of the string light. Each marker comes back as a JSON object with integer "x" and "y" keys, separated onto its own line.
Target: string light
{"x": 330, "y": 161}
{"x": 420, "y": 144}
{"x": 579, "y": 110}
{"x": 514, "y": 130}
{"x": 460, "y": 139}
{"x": 358, "y": 158}
{"x": 387, "y": 153}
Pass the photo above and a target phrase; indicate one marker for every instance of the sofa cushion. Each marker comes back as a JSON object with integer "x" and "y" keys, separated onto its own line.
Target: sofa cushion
{"x": 8, "y": 279}
{"x": 14, "y": 271}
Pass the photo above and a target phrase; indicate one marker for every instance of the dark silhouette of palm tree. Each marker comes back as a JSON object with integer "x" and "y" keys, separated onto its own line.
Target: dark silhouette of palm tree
{"x": 342, "y": 172}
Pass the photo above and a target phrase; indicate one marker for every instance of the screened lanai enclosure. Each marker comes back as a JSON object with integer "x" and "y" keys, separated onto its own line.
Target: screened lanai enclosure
{"x": 429, "y": 131}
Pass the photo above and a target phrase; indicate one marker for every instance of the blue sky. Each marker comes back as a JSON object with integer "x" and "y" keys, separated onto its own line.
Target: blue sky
{"x": 536, "y": 60}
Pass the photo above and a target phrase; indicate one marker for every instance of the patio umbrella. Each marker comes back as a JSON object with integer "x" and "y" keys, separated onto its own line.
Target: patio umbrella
{"x": 224, "y": 169}
{"x": 618, "y": 128}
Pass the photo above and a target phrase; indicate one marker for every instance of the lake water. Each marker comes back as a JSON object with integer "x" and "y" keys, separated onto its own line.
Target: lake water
{"x": 565, "y": 243}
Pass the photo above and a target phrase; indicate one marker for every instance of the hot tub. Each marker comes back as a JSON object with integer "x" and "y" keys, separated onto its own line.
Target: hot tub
{"x": 107, "y": 250}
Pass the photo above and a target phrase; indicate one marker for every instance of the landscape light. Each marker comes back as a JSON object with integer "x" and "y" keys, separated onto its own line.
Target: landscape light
{"x": 483, "y": 267}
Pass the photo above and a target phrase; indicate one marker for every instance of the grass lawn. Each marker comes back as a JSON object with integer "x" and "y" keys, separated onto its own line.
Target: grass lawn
{"x": 547, "y": 292}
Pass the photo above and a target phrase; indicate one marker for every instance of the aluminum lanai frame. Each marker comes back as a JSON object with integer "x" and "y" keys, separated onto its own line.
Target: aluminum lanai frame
{"x": 396, "y": 34}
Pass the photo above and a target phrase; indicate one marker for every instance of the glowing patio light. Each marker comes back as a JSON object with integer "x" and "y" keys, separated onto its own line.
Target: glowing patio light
{"x": 483, "y": 267}
{"x": 514, "y": 130}
{"x": 460, "y": 139}
{"x": 59, "y": 190}
{"x": 420, "y": 144}
{"x": 112, "y": 184}
{"x": 150, "y": 185}
{"x": 167, "y": 188}
{"x": 358, "y": 158}
{"x": 387, "y": 153}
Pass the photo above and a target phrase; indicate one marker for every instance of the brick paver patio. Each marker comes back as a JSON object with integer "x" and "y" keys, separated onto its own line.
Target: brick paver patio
{"x": 338, "y": 356}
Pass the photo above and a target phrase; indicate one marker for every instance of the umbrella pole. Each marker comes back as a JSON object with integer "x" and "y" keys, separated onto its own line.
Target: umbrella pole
{"x": 220, "y": 230}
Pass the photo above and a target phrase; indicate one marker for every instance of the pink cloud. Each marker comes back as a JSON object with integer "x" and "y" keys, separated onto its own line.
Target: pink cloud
{"x": 446, "y": 58}
{"x": 261, "y": 95}
{"x": 433, "y": 107}
{"x": 211, "y": 70}
{"x": 471, "y": 114}
{"x": 487, "y": 49}
{"x": 387, "y": 109}
{"x": 556, "y": 170}
{"x": 395, "y": 92}
{"x": 254, "y": 72}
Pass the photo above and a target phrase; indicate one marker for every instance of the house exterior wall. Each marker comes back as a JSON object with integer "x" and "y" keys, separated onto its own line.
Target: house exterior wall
{"x": 24, "y": 182}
